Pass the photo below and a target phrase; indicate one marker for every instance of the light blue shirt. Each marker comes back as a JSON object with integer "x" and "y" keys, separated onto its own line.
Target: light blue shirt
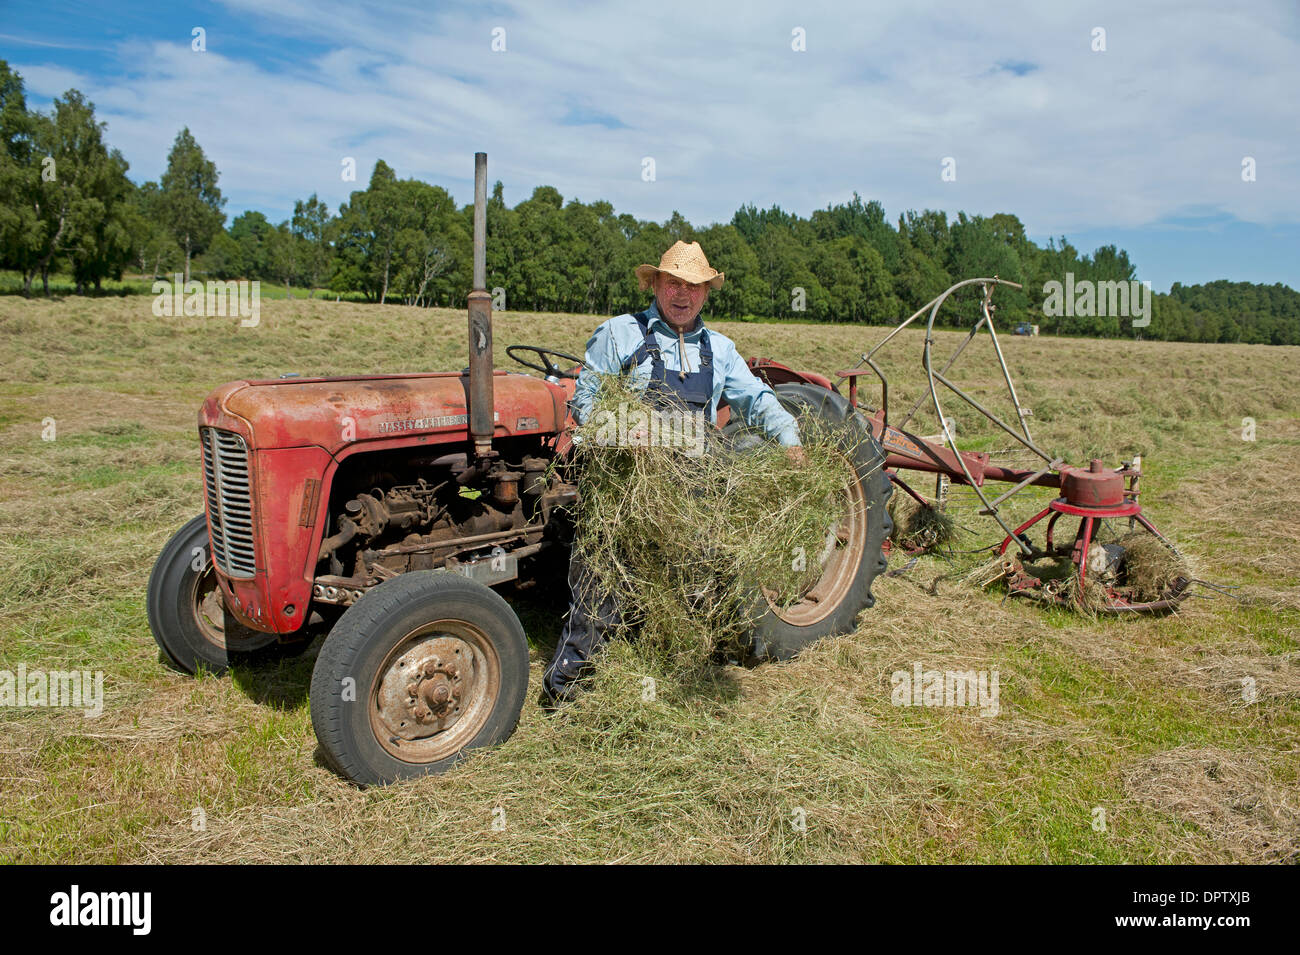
{"x": 617, "y": 340}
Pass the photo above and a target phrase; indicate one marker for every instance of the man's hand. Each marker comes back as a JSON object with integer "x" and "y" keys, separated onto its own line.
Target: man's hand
{"x": 796, "y": 455}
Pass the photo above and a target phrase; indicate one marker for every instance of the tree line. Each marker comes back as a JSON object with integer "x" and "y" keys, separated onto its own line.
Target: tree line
{"x": 68, "y": 207}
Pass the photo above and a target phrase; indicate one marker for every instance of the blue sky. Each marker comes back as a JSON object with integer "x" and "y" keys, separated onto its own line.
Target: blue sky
{"x": 1141, "y": 144}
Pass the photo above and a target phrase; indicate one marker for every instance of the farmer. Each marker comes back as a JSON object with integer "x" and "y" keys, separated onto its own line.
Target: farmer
{"x": 683, "y": 366}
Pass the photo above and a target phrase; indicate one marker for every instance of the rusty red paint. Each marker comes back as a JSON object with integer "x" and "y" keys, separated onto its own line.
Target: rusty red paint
{"x": 774, "y": 373}
{"x": 306, "y": 427}
{"x": 332, "y": 413}
{"x": 1098, "y": 486}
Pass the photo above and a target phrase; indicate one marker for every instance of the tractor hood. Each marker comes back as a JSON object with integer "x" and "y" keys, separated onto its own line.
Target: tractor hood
{"x": 333, "y": 413}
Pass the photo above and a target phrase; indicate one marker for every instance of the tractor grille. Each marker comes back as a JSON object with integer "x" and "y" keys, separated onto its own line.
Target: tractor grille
{"x": 230, "y": 501}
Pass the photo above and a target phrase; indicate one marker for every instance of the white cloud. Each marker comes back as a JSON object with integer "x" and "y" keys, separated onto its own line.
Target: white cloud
{"x": 1155, "y": 126}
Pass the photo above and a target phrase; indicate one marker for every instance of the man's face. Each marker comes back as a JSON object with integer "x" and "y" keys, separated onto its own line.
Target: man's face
{"x": 679, "y": 302}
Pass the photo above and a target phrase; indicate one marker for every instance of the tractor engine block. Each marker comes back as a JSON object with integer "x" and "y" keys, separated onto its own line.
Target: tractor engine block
{"x": 448, "y": 516}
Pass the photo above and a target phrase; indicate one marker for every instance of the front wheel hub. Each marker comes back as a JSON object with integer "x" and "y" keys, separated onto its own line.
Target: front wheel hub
{"x": 424, "y": 691}
{"x": 434, "y": 692}
{"x": 434, "y": 695}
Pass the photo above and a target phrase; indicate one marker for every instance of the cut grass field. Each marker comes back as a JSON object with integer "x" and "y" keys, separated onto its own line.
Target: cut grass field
{"x": 1144, "y": 720}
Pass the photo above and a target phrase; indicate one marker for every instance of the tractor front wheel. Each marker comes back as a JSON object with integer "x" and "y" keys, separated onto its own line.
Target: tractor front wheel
{"x": 420, "y": 670}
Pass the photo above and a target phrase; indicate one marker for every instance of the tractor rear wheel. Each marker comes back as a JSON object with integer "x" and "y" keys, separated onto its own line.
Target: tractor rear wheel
{"x": 854, "y": 554}
{"x": 187, "y": 614}
{"x": 420, "y": 670}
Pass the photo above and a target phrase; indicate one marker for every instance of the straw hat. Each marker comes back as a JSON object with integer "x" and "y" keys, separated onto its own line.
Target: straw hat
{"x": 687, "y": 262}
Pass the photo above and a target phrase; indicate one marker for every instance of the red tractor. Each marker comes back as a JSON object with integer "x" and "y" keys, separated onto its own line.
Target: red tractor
{"x": 388, "y": 507}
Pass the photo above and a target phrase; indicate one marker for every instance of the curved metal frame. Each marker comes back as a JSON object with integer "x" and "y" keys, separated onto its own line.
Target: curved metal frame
{"x": 936, "y": 377}
{"x": 1023, "y": 436}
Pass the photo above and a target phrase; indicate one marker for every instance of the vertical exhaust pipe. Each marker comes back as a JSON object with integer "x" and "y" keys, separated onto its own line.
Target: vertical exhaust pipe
{"x": 481, "y": 410}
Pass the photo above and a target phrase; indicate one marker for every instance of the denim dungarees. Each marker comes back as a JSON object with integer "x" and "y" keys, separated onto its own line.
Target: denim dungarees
{"x": 694, "y": 391}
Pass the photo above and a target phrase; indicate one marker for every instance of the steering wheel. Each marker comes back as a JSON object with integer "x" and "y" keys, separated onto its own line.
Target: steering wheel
{"x": 545, "y": 354}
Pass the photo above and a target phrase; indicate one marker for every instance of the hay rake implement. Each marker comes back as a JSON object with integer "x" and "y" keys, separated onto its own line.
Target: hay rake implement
{"x": 1140, "y": 571}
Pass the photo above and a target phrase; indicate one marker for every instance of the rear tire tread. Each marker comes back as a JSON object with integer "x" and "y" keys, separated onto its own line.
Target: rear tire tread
{"x": 774, "y": 639}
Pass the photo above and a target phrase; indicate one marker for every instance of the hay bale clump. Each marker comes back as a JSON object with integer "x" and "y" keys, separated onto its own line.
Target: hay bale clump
{"x": 1088, "y": 595}
{"x": 684, "y": 527}
{"x": 1151, "y": 566}
{"x": 919, "y": 527}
